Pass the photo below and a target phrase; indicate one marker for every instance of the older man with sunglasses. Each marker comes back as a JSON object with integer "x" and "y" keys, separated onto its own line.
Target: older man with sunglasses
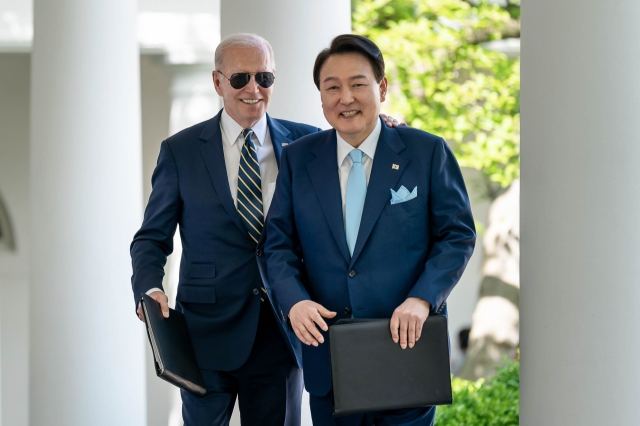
{"x": 216, "y": 180}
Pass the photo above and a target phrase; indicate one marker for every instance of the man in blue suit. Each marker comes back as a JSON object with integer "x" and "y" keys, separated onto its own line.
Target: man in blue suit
{"x": 366, "y": 221}
{"x": 216, "y": 180}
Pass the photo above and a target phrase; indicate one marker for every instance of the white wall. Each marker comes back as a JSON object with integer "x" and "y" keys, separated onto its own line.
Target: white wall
{"x": 155, "y": 85}
{"x": 14, "y": 189}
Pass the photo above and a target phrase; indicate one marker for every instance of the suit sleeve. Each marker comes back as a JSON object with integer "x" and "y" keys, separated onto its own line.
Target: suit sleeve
{"x": 154, "y": 241}
{"x": 452, "y": 229}
{"x": 284, "y": 262}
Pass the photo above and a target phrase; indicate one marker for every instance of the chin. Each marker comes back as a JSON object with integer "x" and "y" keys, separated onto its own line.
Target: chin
{"x": 257, "y": 110}
{"x": 351, "y": 129}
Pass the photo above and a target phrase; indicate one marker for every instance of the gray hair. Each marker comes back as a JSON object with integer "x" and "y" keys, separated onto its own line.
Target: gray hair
{"x": 243, "y": 40}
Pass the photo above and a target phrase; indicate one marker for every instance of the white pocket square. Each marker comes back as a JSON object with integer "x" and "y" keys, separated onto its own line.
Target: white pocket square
{"x": 403, "y": 195}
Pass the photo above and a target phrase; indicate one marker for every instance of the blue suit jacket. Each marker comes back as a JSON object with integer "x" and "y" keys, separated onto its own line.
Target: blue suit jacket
{"x": 220, "y": 264}
{"x": 418, "y": 248}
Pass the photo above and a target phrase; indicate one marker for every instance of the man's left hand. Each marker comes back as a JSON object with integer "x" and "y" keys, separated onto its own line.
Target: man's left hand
{"x": 390, "y": 121}
{"x": 409, "y": 318}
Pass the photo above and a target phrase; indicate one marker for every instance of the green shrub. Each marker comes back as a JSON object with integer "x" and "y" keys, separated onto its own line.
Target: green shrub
{"x": 495, "y": 401}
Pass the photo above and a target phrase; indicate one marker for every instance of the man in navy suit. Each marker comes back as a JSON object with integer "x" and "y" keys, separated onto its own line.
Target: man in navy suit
{"x": 216, "y": 180}
{"x": 205, "y": 179}
{"x": 366, "y": 221}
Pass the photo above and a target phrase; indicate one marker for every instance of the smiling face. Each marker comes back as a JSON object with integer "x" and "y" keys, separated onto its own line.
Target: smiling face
{"x": 351, "y": 96}
{"x": 248, "y": 104}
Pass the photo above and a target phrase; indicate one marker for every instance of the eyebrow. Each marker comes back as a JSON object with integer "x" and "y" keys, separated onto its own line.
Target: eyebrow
{"x": 355, "y": 77}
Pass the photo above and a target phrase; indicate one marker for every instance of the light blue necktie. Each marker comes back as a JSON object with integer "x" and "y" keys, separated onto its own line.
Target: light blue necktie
{"x": 356, "y": 193}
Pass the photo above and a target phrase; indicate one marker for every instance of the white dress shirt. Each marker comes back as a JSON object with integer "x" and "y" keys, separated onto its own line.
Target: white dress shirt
{"x": 232, "y": 142}
{"x": 368, "y": 147}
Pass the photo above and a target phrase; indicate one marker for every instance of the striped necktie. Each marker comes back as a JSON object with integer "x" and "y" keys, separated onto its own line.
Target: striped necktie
{"x": 250, "y": 188}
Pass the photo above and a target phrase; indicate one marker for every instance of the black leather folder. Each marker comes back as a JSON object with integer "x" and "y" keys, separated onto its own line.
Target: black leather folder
{"x": 173, "y": 354}
{"x": 372, "y": 373}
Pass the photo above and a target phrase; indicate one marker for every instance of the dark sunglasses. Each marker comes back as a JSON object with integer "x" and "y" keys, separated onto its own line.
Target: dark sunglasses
{"x": 241, "y": 79}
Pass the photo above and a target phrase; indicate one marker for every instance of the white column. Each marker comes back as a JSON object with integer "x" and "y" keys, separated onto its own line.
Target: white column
{"x": 86, "y": 344}
{"x": 297, "y": 30}
{"x": 580, "y": 213}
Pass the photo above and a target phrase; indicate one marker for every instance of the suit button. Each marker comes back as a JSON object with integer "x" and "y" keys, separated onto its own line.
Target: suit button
{"x": 256, "y": 291}
{"x": 259, "y": 252}
{"x": 352, "y": 273}
{"x": 347, "y": 311}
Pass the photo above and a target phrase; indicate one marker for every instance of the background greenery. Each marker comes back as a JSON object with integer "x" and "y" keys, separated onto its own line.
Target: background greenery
{"x": 492, "y": 402}
{"x": 445, "y": 81}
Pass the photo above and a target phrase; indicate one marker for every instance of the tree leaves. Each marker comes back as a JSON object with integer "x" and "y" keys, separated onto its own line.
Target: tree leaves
{"x": 442, "y": 80}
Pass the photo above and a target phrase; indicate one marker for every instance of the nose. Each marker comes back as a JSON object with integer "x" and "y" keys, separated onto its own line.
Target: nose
{"x": 346, "y": 97}
{"x": 252, "y": 85}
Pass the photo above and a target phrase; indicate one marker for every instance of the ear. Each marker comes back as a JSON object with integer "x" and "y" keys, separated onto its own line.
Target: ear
{"x": 383, "y": 89}
{"x": 216, "y": 82}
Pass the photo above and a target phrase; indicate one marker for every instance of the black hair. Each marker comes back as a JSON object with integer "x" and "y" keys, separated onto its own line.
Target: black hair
{"x": 351, "y": 43}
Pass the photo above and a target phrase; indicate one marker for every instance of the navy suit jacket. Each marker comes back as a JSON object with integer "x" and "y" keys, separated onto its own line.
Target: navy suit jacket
{"x": 221, "y": 267}
{"x": 418, "y": 248}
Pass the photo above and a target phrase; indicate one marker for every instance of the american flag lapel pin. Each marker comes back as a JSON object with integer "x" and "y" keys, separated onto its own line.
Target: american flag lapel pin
{"x": 284, "y": 143}
{"x": 395, "y": 167}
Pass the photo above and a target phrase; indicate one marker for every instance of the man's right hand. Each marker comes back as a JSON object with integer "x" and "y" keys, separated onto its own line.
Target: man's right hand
{"x": 162, "y": 299}
{"x": 304, "y": 316}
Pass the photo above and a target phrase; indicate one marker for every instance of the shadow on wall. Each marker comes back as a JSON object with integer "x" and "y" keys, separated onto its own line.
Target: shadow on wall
{"x": 6, "y": 234}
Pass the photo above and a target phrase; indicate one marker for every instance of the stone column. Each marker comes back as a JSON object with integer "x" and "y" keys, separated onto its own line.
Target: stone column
{"x": 86, "y": 344}
{"x": 297, "y": 30}
{"x": 580, "y": 213}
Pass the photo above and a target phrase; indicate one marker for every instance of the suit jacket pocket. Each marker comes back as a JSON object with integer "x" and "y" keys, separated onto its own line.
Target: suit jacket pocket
{"x": 405, "y": 207}
{"x": 196, "y": 294}
{"x": 202, "y": 270}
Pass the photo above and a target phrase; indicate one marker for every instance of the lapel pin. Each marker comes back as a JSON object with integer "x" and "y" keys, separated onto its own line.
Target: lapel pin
{"x": 284, "y": 143}
{"x": 395, "y": 167}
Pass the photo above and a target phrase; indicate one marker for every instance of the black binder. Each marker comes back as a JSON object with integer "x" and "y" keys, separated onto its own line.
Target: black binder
{"x": 372, "y": 373}
{"x": 173, "y": 353}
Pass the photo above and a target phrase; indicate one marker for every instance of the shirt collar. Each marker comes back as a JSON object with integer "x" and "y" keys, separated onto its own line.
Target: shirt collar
{"x": 368, "y": 146}
{"x": 232, "y": 129}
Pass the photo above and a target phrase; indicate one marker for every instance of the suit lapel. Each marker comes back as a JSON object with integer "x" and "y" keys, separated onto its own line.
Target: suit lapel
{"x": 323, "y": 172}
{"x": 280, "y": 137}
{"x": 384, "y": 177}
{"x": 213, "y": 155}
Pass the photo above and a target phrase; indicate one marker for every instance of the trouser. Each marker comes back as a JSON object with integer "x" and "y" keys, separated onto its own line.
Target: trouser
{"x": 322, "y": 415}
{"x": 268, "y": 385}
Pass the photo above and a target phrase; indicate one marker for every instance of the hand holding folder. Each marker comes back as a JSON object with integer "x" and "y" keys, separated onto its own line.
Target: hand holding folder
{"x": 173, "y": 354}
{"x": 407, "y": 321}
{"x": 159, "y": 297}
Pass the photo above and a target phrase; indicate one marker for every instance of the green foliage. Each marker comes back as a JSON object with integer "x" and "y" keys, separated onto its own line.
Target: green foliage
{"x": 484, "y": 403}
{"x": 444, "y": 81}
